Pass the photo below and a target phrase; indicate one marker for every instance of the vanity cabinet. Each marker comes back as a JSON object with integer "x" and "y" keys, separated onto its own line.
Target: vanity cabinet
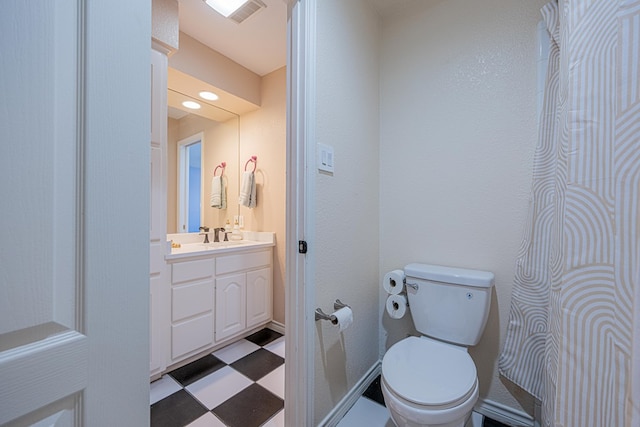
{"x": 231, "y": 296}
{"x": 218, "y": 297}
{"x": 192, "y": 304}
{"x": 259, "y": 296}
{"x": 244, "y": 294}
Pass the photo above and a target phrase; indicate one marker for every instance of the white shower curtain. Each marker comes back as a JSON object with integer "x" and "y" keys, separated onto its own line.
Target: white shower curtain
{"x": 573, "y": 337}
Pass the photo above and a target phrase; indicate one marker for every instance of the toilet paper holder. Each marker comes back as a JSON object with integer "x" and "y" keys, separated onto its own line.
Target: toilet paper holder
{"x": 321, "y": 315}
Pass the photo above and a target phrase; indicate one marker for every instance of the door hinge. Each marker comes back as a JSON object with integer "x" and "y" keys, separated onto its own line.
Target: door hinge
{"x": 302, "y": 246}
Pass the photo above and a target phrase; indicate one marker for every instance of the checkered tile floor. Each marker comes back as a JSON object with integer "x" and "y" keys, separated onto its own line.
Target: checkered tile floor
{"x": 241, "y": 385}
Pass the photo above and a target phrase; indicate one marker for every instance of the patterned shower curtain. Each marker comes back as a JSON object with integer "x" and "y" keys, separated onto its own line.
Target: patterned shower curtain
{"x": 573, "y": 337}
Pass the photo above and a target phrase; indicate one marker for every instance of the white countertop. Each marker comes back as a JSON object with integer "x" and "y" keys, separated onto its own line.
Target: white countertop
{"x": 192, "y": 246}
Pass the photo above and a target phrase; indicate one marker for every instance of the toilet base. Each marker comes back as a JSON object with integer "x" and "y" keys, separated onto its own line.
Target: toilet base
{"x": 407, "y": 414}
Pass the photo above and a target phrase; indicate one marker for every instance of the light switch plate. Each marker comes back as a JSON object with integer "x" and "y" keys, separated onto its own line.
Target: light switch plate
{"x": 325, "y": 158}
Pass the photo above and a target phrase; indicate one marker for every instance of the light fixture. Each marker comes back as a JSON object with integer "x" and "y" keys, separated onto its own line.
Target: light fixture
{"x": 191, "y": 104}
{"x": 209, "y": 96}
{"x": 225, "y": 7}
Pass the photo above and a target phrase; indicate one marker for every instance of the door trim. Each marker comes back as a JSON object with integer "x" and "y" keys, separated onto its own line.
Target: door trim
{"x": 301, "y": 97}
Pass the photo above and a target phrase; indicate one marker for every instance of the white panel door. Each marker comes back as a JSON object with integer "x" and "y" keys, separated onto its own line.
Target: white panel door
{"x": 63, "y": 173}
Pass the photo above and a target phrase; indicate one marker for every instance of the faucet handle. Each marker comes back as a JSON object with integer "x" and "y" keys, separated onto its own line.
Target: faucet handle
{"x": 204, "y": 228}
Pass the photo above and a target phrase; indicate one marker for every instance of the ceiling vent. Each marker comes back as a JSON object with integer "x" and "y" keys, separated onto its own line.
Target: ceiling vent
{"x": 249, "y": 8}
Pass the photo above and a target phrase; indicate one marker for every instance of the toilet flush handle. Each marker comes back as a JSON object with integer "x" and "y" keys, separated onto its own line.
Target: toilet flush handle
{"x": 413, "y": 286}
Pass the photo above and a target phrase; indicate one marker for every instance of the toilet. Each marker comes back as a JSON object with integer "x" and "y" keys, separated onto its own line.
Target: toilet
{"x": 431, "y": 380}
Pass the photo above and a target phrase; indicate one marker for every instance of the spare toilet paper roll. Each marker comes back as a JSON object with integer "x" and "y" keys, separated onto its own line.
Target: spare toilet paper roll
{"x": 344, "y": 317}
{"x": 396, "y": 306}
{"x": 393, "y": 282}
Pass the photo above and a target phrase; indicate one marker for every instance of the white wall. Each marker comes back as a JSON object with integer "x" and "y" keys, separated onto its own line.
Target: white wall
{"x": 346, "y": 215}
{"x": 458, "y": 131}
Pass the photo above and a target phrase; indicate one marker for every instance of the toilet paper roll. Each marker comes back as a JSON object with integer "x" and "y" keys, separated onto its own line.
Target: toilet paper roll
{"x": 344, "y": 317}
{"x": 396, "y": 306}
{"x": 393, "y": 282}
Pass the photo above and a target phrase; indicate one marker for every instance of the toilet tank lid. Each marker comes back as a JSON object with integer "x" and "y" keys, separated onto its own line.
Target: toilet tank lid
{"x": 458, "y": 276}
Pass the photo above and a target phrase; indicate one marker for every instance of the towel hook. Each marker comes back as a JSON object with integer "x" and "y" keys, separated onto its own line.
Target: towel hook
{"x": 222, "y": 166}
{"x": 253, "y": 159}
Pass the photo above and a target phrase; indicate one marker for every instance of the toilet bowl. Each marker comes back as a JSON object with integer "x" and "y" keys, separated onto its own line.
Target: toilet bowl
{"x": 429, "y": 383}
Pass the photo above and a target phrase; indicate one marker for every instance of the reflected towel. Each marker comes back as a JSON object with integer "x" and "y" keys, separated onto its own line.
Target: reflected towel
{"x": 248, "y": 190}
{"x": 218, "y": 193}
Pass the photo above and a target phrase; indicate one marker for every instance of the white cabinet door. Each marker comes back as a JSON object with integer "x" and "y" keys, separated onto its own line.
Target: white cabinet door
{"x": 191, "y": 335}
{"x": 230, "y": 305}
{"x": 259, "y": 296}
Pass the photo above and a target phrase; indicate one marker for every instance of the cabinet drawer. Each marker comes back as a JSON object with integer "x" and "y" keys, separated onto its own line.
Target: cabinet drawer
{"x": 191, "y": 335}
{"x": 245, "y": 261}
{"x": 192, "y": 270}
{"x": 190, "y": 299}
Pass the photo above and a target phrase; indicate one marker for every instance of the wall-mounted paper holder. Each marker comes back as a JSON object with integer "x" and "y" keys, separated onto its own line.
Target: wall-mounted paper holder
{"x": 321, "y": 315}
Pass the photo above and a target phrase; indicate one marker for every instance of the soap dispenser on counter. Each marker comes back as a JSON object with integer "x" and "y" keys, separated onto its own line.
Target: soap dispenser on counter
{"x": 236, "y": 234}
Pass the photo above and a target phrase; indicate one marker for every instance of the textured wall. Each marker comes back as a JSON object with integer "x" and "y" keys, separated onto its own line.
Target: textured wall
{"x": 346, "y": 242}
{"x": 164, "y": 23}
{"x": 458, "y": 131}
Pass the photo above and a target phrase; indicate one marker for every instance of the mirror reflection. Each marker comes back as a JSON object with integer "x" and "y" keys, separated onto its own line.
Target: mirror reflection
{"x": 199, "y": 143}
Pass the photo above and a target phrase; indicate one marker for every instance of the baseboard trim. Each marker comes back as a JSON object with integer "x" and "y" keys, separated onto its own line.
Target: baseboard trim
{"x": 504, "y": 414}
{"x": 339, "y": 411}
{"x": 276, "y": 326}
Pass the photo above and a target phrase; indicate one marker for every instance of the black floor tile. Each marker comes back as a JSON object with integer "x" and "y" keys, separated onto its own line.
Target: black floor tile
{"x": 176, "y": 410}
{"x": 250, "y": 408}
{"x": 196, "y": 370}
{"x": 257, "y": 364}
{"x": 374, "y": 392}
{"x": 264, "y": 337}
{"x": 488, "y": 422}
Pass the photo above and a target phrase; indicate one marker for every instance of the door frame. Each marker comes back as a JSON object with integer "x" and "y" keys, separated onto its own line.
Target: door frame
{"x": 299, "y": 291}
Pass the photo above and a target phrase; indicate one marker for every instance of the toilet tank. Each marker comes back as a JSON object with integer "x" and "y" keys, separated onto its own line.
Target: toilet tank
{"x": 447, "y": 303}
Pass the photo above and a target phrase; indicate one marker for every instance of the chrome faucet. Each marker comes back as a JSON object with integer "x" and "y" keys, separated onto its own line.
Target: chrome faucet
{"x": 206, "y": 233}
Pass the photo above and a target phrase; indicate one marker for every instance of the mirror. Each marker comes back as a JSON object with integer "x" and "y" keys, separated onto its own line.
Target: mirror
{"x": 218, "y": 132}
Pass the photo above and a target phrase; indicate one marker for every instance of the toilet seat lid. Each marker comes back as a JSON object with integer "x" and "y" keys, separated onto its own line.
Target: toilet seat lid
{"x": 428, "y": 372}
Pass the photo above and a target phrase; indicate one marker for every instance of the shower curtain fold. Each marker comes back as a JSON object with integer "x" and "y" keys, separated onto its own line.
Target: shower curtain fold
{"x": 573, "y": 336}
{"x": 528, "y": 341}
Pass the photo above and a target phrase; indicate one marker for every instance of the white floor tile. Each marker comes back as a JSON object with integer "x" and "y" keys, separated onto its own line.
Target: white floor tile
{"x": 368, "y": 413}
{"x": 276, "y": 421}
{"x": 274, "y": 381}
{"x": 476, "y": 420}
{"x": 218, "y": 386}
{"x": 236, "y": 351}
{"x": 207, "y": 420}
{"x": 276, "y": 346}
{"x": 162, "y": 388}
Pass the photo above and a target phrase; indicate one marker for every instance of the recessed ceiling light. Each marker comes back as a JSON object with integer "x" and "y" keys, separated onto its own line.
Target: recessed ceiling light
{"x": 209, "y": 96}
{"x": 225, "y": 7}
{"x": 191, "y": 104}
